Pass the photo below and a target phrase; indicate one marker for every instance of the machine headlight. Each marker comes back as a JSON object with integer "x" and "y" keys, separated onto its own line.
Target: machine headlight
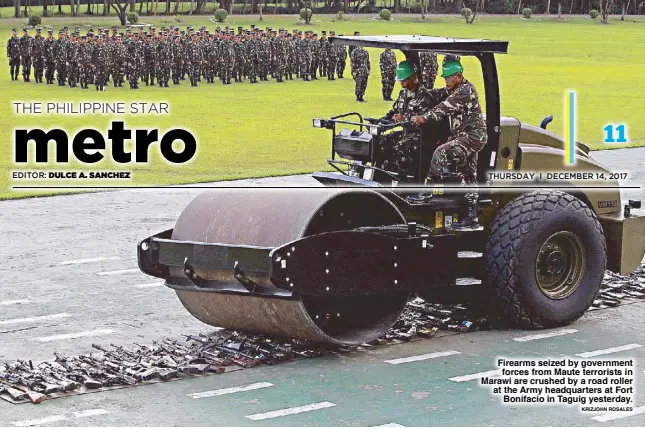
{"x": 319, "y": 123}
{"x": 374, "y": 130}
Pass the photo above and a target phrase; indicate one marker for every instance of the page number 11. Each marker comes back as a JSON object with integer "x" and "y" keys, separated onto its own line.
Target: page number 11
{"x": 609, "y": 134}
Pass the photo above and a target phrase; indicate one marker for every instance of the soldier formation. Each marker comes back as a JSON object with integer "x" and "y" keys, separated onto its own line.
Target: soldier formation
{"x": 170, "y": 54}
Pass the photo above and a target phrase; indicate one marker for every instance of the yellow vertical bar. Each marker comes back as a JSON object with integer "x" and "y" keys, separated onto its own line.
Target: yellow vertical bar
{"x": 567, "y": 128}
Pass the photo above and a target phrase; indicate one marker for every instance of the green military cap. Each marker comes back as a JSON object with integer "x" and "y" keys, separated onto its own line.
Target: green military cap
{"x": 323, "y": 32}
{"x": 24, "y": 29}
{"x": 38, "y": 29}
{"x": 50, "y": 31}
{"x": 14, "y": 29}
{"x": 332, "y": 33}
{"x": 404, "y": 70}
{"x": 451, "y": 67}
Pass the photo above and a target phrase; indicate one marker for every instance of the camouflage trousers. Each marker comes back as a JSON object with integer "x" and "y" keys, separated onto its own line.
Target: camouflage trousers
{"x": 39, "y": 68}
{"x": 361, "y": 85}
{"x": 340, "y": 68}
{"x": 194, "y": 71}
{"x": 26, "y": 68}
{"x": 14, "y": 63}
{"x": 118, "y": 72}
{"x": 50, "y": 67}
{"x": 61, "y": 68}
{"x": 100, "y": 76}
{"x": 463, "y": 148}
{"x": 387, "y": 82}
{"x": 399, "y": 152}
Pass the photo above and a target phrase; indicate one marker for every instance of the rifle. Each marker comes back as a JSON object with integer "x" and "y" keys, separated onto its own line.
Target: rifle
{"x": 34, "y": 397}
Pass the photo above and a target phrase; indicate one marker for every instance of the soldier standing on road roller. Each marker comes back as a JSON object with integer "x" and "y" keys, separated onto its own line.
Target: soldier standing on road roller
{"x": 459, "y": 101}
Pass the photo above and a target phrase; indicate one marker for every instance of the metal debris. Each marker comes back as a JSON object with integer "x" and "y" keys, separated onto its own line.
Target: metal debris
{"x": 224, "y": 350}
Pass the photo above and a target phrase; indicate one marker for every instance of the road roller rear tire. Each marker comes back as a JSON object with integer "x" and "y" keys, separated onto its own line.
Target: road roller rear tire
{"x": 546, "y": 259}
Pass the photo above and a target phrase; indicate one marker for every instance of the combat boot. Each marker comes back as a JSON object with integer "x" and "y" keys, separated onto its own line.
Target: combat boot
{"x": 165, "y": 85}
{"x": 468, "y": 216}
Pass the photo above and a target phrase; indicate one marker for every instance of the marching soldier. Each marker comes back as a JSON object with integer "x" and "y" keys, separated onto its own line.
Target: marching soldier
{"x": 13, "y": 53}
{"x": 25, "y": 54}
{"x": 38, "y": 55}
{"x": 49, "y": 47}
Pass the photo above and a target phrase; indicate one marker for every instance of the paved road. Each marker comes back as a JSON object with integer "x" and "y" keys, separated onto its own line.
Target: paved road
{"x": 70, "y": 279}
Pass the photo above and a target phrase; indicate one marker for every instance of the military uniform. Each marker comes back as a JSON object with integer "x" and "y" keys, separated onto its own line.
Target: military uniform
{"x": 38, "y": 56}
{"x": 13, "y": 53}
{"x": 399, "y": 150}
{"x": 49, "y": 47}
{"x": 387, "y": 64}
{"x": 25, "y": 55}
{"x": 468, "y": 131}
{"x": 360, "y": 71}
{"x": 429, "y": 68}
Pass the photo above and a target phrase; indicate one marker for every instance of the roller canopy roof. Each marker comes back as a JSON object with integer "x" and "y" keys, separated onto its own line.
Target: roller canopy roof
{"x": 422, "y": 43}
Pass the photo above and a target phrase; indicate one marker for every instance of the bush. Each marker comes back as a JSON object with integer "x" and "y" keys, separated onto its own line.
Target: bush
{"x": 527, "y": 12}
{"x": 466, "y": 12}
{"x": 221, "y": 15}
{"x": 593, "y": 13}
{"x": 34, "y": 20}
{"x": 133, "y": 17}
{"x": 305, "y": 14}
{"x": 341, "y": 15}
{"x": 501, "y": 6}
{"x": 385, "y": 14}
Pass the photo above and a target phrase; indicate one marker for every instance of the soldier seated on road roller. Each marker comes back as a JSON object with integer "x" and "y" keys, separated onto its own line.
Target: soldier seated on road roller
{"x": 459, "y": 101}
{"x": 398, "y": 151}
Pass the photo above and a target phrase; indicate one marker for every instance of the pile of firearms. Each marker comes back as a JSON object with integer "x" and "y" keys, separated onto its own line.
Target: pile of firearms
{"x": 165, "y": 360}
{"x": 225, "y": 350}
{"x": 617, "y": 288}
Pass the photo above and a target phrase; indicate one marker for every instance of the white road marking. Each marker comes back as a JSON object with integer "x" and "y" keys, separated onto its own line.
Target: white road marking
{"x": 290, "y": 411}
{"x": 232, "y": 390}
{"x": 117, "y": 272}
{"x": 466, "y": 378}
{"x": 57, "y": 418}
{"x": 422, "y": 357}
{"x": 80, "y": 261}
{"x": 545, "y": 335}
{"x": 88, "y": 333}
{"x": 152, "y": 284}
{"x": 619, "y": 415}
{"x": 13, "y": 302}
{"x": 389, "y": 426}
{"x": 608, "y": 350}
{"x": 35, "y": 319}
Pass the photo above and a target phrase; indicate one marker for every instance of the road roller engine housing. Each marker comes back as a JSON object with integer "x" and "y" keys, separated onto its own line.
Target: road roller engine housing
{"x": 337, "y": 263}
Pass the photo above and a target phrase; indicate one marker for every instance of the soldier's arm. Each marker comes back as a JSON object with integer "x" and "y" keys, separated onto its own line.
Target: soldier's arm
{"x": 390, "y": 114}
{"x": 451, "y": 105}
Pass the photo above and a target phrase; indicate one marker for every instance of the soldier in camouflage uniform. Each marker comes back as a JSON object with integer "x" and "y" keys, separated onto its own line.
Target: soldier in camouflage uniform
{"x": 305, "y": 58}
{"x": 73, "y": 54}
{"x": 332, "y": 58}
{"x": 399, "y": 151}
{"x": 50, "y": 45}
{"x": 459, "y": 101}
{"x": 194, "y": 58}
{"x": 100, "y": 60}
{"x": 240, "y": 58}
{"x": 177, "y": 60}
{"x": 252, "y": 58}
{"x": 387, "y": 64}
{"x": 360, "y": 71}
{"x": 13, "y": 53}
{"x": 429, "y": 68}
{"x": 61, "y": 58}
{"x": 119, "y": 53}
{"x": 25, "y": 54}
{"x": 85, "y": 63}
{"x": 265, "y": 57}
{"x": 38, "y": 55}
{"x": 341, "y": 54}
{"x": 164, "y": 55}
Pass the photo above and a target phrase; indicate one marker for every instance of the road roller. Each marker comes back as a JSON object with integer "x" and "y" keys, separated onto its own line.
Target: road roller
{"x": 336, "y": 263}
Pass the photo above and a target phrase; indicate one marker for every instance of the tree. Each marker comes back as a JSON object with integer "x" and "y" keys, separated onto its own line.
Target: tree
{"x": 119, "y": 9}
{"x": 604, "y": 10}
{"x": 16, "y": 3}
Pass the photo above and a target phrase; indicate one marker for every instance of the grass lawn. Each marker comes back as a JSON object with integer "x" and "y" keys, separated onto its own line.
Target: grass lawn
{"x": 246, "y": 130}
